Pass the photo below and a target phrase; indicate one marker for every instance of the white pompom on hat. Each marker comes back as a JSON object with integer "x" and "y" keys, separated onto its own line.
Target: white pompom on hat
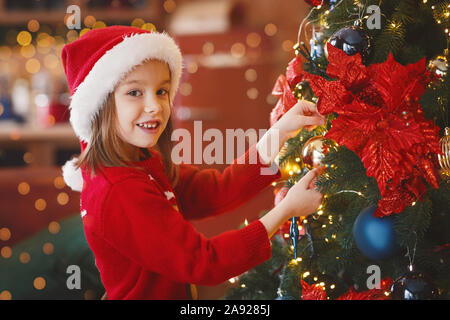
{"x": 94, "y": 65}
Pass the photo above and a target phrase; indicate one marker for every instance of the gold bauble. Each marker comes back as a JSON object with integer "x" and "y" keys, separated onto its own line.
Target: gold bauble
{"x": 313, "y": 152}
{"x": 444, "y": 158}
{"x": 439, "y": 64}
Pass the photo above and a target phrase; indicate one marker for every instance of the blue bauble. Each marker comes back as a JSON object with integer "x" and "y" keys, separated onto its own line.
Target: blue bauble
{"x": 375, "y": 237}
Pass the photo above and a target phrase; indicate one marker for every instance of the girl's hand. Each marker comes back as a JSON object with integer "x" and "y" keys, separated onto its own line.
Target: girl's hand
{"x": 304, "y": 114}
{"x": 302, "y": 199}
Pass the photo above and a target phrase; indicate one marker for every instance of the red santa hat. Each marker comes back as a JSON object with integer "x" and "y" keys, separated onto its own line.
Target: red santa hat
{"x": 96, "y": 62}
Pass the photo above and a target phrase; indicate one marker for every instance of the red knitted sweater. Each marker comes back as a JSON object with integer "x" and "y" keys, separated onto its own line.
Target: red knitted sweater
{"x": 137, "y": 227}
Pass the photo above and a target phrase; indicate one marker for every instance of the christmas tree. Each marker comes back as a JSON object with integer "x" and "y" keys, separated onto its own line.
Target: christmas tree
{"x": 378, "y": 71}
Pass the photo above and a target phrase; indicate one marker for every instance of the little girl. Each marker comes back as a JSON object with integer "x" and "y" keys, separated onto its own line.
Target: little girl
{"x": 135, "y": 203}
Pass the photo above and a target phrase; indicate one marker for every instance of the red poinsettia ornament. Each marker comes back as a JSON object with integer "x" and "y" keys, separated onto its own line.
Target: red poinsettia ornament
{"x": 312, "y": 292}
{"x": 317, "y": 292}
{"x": 380, "y": 119}
{"x": 286, "y": 99}
{"x": 315, "y": 3}
{"x": 283, "y": 89}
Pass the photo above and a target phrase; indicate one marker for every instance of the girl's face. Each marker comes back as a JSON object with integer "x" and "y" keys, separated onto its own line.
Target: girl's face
{"x": 142, "y": 104}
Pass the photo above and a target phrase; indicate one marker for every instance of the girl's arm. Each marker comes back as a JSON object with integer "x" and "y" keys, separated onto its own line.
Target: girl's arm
{"x": 142, "y": 225}
{"x": 204, "y": 193}
{"x": 209, "y": 192}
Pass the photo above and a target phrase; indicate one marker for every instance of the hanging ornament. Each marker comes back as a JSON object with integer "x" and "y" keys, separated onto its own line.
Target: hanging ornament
{"x": 316, "y": 3}
{"x": 316, "y": 49}
{"x": 333, "y": 4}
{"x": 444, "y": 158}
{"x": 413, "y": 285}
{"x": 294, "y": 234}
{"x": 313, "y": 152}
{"x": 375, "y": 237}
{"x": 439, "y": 64}
{"x": 351, "y": 40}
{"x": 316, "y": 44}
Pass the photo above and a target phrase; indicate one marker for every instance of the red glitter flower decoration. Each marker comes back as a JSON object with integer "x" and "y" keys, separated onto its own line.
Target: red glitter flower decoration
{"x": 380, "y": 119}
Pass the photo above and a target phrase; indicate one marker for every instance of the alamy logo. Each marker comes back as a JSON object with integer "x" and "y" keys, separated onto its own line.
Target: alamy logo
{"x": 74, "y": 20}
{"x": 190, "y": 149}
{"x": 374, "y": 21}
{"x": 374, "y": 280}
{"x": 74, "y": 280}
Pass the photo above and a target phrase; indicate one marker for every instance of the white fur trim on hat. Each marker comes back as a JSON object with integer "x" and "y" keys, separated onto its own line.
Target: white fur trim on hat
{"x": 107, "y": 72}
{"x": 72, "y": 176}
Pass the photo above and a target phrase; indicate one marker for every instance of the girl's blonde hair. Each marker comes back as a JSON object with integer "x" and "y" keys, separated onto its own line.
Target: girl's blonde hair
{"x": 106, "y": 148}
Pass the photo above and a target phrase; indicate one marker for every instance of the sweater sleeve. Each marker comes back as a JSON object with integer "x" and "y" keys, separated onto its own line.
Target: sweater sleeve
{"x": 142, "y": 225}
{"x": 209, "y": 192}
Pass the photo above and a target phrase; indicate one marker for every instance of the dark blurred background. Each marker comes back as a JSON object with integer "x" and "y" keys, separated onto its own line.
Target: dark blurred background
{"x": 233, "y": 53}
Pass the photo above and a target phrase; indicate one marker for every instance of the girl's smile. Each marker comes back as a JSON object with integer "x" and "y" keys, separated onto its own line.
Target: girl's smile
{"x": 150, "y": 126}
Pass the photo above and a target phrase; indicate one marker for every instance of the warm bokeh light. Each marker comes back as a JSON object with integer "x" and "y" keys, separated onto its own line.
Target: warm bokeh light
{"x": 169, "y": 6}
{"x": 59, "y": 183}
{"x": 28, "y": 157}
{"x": 253, "y": 40}
{"x": 251, "y": 75}
{"x": 54, "y": 227}
{"x": 98, "y": 25}
{"x": 44, "y": 40}
{"x": 5, "y": 295}
{"x": 33, "y": 25}
{"x": 192, "y": 67}
{"x": 15, "y": 134}
{"x": 6, "y": 252}
{"x": 60, "y": 40}
{"x": 270, "y": 29}
{"x": 84, "y": 31}
{"x": 40, "y": 204}
{"x": 24, "y": 38}
{"x": 137, "y": 23}
{"x": 208, "y": 48}
{"x": 39, "y": 283}
{"x": 72, "y": 35}
{"x": 24, "y": 257}
{"x": 33, "y": 65}
{"x": 5, "y": 52}
{"x": 5, "y": 234}
{"x": 62, "y": 198}
{"x": 271, "y": 99}
{"x": 23, "y": 188}
{"x": 238, "y": 50}
{"x": 48, "y": 248}
{"x": 89, "y": 21}
{"x": 149, "y": 27}
{"x": 252, "y": 93}
{"x": 186, "y": 89}
{"x": 287, "y": 45}
{"x": 28, "y": 51}
{"x": 51, "y": 61}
